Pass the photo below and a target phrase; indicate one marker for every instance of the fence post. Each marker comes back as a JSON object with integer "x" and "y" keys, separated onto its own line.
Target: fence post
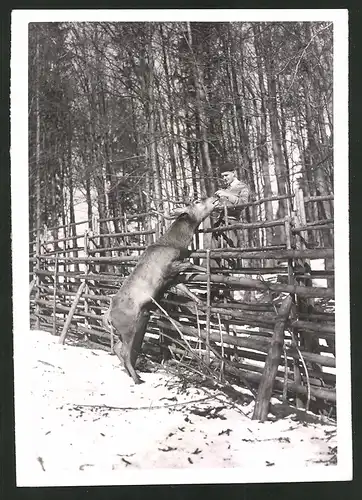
{"x": 126, "y": 238}
{"x": 31, "y": 286}
{"x": 71, "y": 313}
{"x": 291, "y": 281}
{"x": 86, "y": 272}
{"x": 67, "y": 266}
{"x": 272, "y": 362}
{"x": 55, "y": 295}
{"x": 37, "y": 278}
{"x": 288, "y": 240}
{"x": 301, "y": 217}
{"x": 208, "y": 304}
{"x": 95, "y": 224}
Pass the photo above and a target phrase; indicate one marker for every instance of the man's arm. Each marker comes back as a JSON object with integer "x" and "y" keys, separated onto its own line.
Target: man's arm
{"x": 235, "y": 195}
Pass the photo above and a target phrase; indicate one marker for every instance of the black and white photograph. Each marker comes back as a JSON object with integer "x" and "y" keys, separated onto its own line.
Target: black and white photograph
{"x": 180, "y": 246}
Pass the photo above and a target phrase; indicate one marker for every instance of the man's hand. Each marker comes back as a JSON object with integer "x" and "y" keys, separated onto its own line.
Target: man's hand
{"x": 221, "y": 193}
{"x": 230, "y": 197}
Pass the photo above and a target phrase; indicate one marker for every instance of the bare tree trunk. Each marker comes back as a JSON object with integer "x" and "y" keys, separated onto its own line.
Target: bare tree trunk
{"x": 283, "y": 125}
{"x": 310, "y": 207}
{"x": 191, "y": 153}
{"x": 73, "y": 228}
{"x": 170, "y": 133}
{"x": 247, "y": 170}
{"x": 202, "y": 119}
{"x": 89, "y": 200}
{"x": 262, "y": 142}
{"x": 280, "y": 168}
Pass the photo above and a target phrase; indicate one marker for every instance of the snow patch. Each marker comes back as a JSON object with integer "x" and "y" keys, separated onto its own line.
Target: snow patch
{"x": 89, "y": 424}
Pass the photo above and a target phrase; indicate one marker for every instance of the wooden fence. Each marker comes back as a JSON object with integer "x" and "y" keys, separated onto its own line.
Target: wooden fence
{"x": 258, "y": 318}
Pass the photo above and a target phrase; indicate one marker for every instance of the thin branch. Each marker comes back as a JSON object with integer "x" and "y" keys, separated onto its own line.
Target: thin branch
{"x": 302, "y": 54}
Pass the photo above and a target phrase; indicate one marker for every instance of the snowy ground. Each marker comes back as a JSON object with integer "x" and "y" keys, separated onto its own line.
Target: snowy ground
{"x": 85, "y": 422}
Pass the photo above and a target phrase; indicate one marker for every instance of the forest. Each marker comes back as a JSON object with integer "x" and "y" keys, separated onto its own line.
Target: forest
{"x": 135, "y": 116}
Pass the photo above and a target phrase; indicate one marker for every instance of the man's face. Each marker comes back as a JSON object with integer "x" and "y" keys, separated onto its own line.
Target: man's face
{"x": 228, "y": 177}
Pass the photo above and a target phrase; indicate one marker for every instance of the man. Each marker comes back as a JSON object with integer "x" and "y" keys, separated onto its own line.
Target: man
{"x": 236, "y": 193}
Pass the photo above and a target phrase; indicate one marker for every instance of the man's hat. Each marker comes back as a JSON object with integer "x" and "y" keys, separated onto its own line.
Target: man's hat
{"x": 227, "y": 167}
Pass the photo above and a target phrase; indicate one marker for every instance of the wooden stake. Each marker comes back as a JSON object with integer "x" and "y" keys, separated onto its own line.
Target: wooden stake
{"x": 55, "y": 295}
{"x": 112, "y": 337}
{"x": 37, "y": 278}
{"x": 222, "y": 366}
{"x": 271, "y": 363}
{"x": 71, "y": 313}
{"x": 86, "y": 272}
{"x": 291, "y": 281}
{"x": 306, "y": 374}
{"x": 285, "y": 388}
{"x": 31, "y": 286}
{"x": 208, "y": 304}
{"x": 301, "y": 216}
{"x": 198, "y": 330}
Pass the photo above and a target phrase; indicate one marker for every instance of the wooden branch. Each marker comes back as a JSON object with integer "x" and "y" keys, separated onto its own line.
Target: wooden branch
{"x": 65, "y": 225}
{"x": 118, "y": 248}
{"x": 303, "y": 291}
{"x": 272, "y": 362}
{"x": 37, "y": 268}
{"x": 313, "y": 358}
{"x": 62, "y": 251}
{"x": 67, "y": 293}
{"x": 314, "y": 327}
{"x": 244, "y": 249}
{"x": 262, "y": 200}
{"x": 320, "y": 316}
{"x": 319, "y": 222}
{"x": 61, "y": 308}
{"x": 91, "y": 260}
{"x": 71, "y": 313}
{"x": 55, "y": 296}
{"x": 208, "y": 303}
{"x": 181, "y": 289}
{"x": 243, "y": 225}
{"x": 215, "y": 307}
{"x": 313, "y": 227}
{"x": 129, "y": 217}
{"x": 68, "y": 238}
{"x": 256, "y": 317}
{"x": 321, "y": 393}
{"x": 89, "y": 277}
{"x": 250, "y": 270}
{"x": 328, "y": 378}
{"x": 127, "y": 233}
{"x": 309, "y": 199}
{"x": 316, "y": 253}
